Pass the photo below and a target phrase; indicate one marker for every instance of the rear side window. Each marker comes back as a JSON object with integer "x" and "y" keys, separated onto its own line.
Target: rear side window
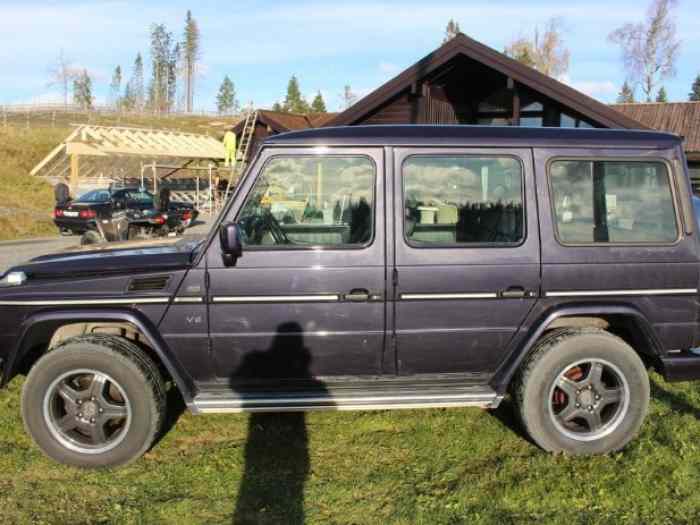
{"x": 612, "y": 202}
{"x": 461, "y": 200}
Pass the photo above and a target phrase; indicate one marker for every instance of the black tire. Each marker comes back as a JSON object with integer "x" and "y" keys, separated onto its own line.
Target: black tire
{"x": 116, "y": 361}
{"x": 561, "y": 405}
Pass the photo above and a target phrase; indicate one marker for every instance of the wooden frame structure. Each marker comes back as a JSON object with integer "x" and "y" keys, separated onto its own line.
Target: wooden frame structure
{"x": 91, "y": 150}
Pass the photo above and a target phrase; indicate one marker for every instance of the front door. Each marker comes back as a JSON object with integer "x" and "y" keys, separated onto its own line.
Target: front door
{"x": 307, "y": 298}
{"x": 466, "y": 256}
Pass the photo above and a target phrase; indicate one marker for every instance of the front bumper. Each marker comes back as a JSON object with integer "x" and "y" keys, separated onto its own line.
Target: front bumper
{"x": 684, "y": 366}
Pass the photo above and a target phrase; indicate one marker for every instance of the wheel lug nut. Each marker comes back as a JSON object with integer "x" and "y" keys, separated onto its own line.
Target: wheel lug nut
{"x": 578, "y": 405}
{"x": 597, "y": 397}
{"x": 80, "y": 401}
{"x": 80, "y": 414}
{"x": 100, "y": 410}
{"x": 93, "y": 397}
{"x": 92, "y": 420}
{"x": 589, "y": 388}
{"x": 578, "y": 392}
{"x": 590, "y": 408}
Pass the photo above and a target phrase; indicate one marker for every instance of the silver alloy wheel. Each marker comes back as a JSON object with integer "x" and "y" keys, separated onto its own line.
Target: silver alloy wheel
{"x": 87, "y": 411}
{"x": 588, "y": 399}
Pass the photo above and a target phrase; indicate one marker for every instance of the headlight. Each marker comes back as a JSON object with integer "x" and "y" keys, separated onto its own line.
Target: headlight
{"x": 13, "y": 279}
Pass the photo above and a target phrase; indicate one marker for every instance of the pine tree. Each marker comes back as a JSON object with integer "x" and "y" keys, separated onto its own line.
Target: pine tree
{"x": 318, "y": 105}
{"x": 626, "y": 95}
{"x": 191, "y": 53}
{"x": 294, "y": 102}
{"x": 226, "y": 101}
{"x": 277, "y": 107}
{"x": 134, "y": 96}
{"x": 159, "y": 95}
{"x": 451, "y": 31}
{"x": 662, "y": 96}
{"x": 115, "y": 87}
{"x": 694, "y": 95}
{"x": 82, "y": 91}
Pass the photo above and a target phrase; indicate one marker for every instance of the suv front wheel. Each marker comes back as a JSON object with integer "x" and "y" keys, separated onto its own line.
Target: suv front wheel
{"x": 582, "y": 391}
{"x": 94, "y": 401}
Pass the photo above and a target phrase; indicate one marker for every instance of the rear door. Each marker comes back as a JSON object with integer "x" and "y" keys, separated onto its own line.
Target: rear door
{"x": 307, "y": 298}
{"x": 467, "y": 259}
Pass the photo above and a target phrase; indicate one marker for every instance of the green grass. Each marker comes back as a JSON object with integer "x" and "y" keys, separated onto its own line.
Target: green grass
{"x": 421, "y": 466}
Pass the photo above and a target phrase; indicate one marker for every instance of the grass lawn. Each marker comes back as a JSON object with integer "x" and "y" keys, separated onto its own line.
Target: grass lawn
{"x": 419, "y": 466}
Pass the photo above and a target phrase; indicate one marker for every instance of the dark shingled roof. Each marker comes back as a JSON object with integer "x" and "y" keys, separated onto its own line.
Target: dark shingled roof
{"x": 681, "y": 118}
{"x": 281, "y": 121}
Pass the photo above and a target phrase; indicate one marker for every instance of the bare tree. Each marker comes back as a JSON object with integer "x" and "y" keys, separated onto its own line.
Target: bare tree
{"x": 545, "y": 52}
{"x": 451, "y": 31}
{"x": 62, "y": 74}
{"x": 348, "y": 97}
{"x": 650, "y": 48}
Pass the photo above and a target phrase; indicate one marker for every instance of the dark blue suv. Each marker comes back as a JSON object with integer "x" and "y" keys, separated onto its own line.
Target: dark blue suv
{"x": 378, "y": 268}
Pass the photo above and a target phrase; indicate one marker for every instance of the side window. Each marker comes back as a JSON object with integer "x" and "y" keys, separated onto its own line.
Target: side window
{"x": 461, "y": 200}
{"x": 612, "y": 202}
{"x": 314, "y": 201}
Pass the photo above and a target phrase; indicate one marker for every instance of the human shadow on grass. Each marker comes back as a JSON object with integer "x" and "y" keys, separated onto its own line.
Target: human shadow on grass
{"x": 276, "y": 451}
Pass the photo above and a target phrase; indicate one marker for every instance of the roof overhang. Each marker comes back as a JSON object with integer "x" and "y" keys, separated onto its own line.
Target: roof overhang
{"x": 462, "y": 45}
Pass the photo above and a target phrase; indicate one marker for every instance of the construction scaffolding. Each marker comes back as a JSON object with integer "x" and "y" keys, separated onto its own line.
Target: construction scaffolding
{"x": 96, "y": 156}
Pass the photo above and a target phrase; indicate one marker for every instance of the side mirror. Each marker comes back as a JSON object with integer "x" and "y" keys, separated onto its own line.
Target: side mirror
{"x": 231, "y": 245}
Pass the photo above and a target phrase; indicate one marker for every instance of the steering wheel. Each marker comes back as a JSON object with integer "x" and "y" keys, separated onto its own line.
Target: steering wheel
{"x": 255, "y": 225}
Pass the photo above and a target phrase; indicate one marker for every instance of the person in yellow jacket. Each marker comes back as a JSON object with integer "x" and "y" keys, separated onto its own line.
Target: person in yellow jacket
{"x": 230, "y": 147}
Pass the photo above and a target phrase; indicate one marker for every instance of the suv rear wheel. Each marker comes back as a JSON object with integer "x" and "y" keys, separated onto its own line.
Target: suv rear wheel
{"x": 94, "y": 401}
{"x": 582, "y": 391}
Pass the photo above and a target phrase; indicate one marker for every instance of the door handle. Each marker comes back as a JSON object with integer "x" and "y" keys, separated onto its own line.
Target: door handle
{"x": 357, "y": 295}
{"x": 514, "y": 292}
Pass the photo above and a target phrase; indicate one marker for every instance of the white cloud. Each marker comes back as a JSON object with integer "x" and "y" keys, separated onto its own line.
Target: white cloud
{"x": 595, "y": 88}
{"x": 388, "y": 69}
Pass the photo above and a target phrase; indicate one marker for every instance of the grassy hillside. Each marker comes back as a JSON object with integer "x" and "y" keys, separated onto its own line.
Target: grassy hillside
{"x": 21, "y": 149}
{"x": 440, "y": 466}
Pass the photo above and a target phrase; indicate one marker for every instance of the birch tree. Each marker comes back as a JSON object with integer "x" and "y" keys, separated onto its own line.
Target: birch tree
{"x": 650, "y": 49}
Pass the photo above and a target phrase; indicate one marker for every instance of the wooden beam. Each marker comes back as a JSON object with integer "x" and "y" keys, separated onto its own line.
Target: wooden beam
{"x": 516, "y": 106}
{"x": 74, "y": 174}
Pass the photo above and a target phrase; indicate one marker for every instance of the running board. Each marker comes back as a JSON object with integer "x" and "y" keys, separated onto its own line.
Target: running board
{"x": 210, "y": 404}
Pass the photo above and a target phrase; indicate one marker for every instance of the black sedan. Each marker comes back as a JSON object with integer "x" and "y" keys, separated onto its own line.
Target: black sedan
{"x": 78, "y": 216}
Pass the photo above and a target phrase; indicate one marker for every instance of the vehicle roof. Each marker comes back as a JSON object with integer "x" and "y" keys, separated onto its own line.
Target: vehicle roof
{"x": 411, "y": 135}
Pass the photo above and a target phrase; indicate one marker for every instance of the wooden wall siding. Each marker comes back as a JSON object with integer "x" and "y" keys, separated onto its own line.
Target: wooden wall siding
{"x": 681, "y": 118}
{"x": 399, "y": 111}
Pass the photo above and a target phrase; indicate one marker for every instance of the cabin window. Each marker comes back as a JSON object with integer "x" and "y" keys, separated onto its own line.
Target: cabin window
{"x": 315, "y": 201}
{"x": 612, "y": 202}
{"x": 462, "y": 200}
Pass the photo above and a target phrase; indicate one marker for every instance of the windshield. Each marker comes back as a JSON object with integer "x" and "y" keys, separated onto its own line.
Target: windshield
{"x": 95, "y": 196}
{"x": 138, "y": 196}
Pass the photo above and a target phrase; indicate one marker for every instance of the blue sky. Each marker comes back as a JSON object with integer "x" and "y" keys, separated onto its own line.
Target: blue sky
{"x": 327, "y": 44}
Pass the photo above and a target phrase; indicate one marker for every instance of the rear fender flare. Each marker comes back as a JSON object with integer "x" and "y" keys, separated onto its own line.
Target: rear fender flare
{"x": 39, "y": 327}
{"x": 520, "y": 348}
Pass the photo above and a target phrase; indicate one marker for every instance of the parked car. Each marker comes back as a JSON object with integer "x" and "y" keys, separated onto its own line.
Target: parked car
{"x": 425, "y": 267}
{"x": 78, "y": 216}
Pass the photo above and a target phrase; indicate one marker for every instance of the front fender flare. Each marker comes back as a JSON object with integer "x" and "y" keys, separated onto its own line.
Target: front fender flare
{"x": 37, "y": 327}
{"x": 520, "y": 347}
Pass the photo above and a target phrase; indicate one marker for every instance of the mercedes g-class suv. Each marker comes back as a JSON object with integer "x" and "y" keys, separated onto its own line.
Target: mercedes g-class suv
{"x": 377, "y": 268}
